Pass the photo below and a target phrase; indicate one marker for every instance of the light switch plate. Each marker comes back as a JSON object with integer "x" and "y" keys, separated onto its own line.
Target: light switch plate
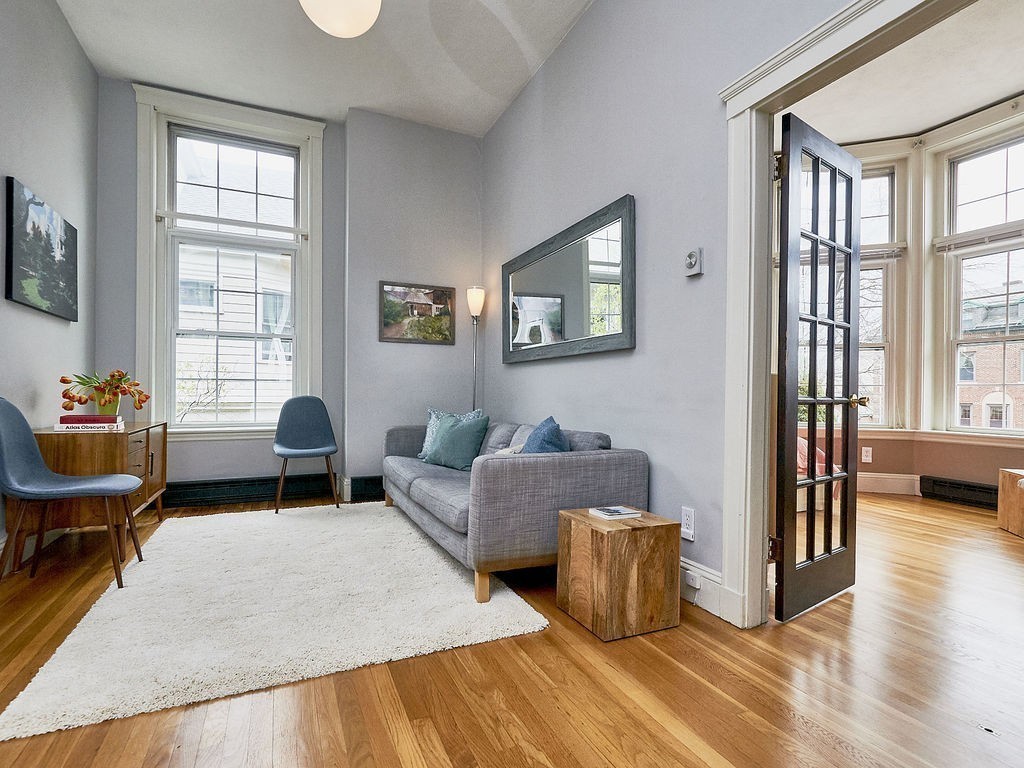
{"x": 693, "y": 263}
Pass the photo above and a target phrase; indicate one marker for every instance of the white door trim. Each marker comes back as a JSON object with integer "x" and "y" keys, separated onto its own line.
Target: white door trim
{"x": 856, "y": 34}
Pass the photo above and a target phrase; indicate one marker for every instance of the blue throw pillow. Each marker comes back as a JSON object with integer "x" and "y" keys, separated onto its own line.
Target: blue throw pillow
{"x": 547, "y": 437}
{"x": 434, "y": 416}
{"x": 458, "y": 442}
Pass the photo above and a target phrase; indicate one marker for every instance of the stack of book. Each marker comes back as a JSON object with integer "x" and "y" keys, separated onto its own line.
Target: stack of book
{"x": 89, "y": 422}
{"x": 614, "y": 513}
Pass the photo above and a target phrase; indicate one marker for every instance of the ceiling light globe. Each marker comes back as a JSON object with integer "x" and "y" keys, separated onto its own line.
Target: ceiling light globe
{"x": 342, "y": 18}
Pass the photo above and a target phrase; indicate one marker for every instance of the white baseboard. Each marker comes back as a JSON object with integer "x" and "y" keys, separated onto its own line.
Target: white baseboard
{"x": 709, "y": 595}
{"x": 346, "y": 489}
{"x": 885, "y": 482}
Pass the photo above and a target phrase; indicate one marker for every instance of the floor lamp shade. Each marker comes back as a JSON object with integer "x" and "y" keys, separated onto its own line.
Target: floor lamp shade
{"x": 342, "y": 18}
{"x": 475, "y": 300}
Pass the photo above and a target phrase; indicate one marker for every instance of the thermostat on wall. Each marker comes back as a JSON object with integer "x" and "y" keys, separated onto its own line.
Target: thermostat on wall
{"x": 693, "y": 263}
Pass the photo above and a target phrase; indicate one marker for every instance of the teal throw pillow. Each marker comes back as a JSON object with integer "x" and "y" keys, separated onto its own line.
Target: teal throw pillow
{"x": 458, "y": 442}
{"x": 434, "y": 417}
{"x": 547, "y": 437}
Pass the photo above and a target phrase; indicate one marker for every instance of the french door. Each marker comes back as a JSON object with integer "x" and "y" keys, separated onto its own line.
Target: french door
{"x": 816, "y": 481}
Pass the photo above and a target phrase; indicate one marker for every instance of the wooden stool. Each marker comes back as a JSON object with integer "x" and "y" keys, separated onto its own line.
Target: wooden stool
{"x": 1011, "y": 501}
{"x": 618, "y": 577}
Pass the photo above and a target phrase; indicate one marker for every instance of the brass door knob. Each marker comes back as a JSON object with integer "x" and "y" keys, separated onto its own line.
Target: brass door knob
{"x": 855, "y": 401}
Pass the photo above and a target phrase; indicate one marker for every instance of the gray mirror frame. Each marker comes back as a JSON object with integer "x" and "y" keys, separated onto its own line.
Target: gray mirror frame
{"x": 625, "y": 209}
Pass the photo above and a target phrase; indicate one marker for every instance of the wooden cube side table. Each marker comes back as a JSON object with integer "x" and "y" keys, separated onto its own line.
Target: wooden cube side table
{"x": 618, "y": 577}
{"x": 1010, "y": 514}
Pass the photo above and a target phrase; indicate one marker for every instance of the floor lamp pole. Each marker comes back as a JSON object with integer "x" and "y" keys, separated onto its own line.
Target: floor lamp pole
{"x": 476, "y": 328}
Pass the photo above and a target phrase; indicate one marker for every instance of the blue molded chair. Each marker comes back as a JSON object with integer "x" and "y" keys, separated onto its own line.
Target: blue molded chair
{"x": 25, "y": 479}
{"x": 304, "y": 431}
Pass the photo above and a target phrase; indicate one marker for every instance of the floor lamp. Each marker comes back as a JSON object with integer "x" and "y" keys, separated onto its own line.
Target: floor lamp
{"x": 475, "y": 302}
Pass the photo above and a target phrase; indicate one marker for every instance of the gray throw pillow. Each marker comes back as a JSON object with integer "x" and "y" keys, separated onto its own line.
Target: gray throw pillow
{"x": 458, "y": 442}
{"x": 434, "y": 417}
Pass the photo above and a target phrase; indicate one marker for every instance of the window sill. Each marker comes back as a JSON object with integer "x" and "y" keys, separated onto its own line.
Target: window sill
{"x": 203, "y": 434}
{"x": 955, "y": 437}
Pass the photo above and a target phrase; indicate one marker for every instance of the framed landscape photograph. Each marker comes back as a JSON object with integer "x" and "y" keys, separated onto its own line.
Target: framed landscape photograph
{"x": 417, "y": 314}
{"x": 536, "y": 319}
{"x": 42, "y": 255}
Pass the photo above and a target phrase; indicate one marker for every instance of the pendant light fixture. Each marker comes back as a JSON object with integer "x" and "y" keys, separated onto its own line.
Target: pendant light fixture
{"x": 342, "y": 18}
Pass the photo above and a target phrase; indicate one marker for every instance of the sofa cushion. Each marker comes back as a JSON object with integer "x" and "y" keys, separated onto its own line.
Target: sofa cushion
{"x": 447, "y": 498}
{"x": 587, "y": 441}
{"x": 578, "y": 440}
{"x": 498, "y": 436}
{"x": 403, "y": 470}
{"x": 546, "y": 438}
{"x": 458, "y": 443}
{"x": 521, "y": 434}
{"x": 434, "y": 417}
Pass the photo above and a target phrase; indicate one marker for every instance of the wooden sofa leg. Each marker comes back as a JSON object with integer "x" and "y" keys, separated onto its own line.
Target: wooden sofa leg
{"x": 388, "y": 501}
{"x": 482, "y": 583}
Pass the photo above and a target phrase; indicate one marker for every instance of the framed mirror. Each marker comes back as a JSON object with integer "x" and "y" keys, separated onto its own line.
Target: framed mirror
{"x": 575, "y": 293}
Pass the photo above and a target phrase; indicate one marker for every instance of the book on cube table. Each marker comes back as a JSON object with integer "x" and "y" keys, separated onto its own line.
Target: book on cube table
{"x": 614, "y": 513}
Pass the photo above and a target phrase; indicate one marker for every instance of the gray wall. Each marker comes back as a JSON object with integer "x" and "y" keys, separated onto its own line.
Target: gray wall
{"x": 115, "y": 274}
{"x": 414, "y": 215}
{"x": 628, "y": 104}
{"x": 48, "y": 103}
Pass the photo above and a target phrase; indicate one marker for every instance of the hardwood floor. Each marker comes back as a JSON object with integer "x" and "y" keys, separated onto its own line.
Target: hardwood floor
{"x": 919, "y": 665}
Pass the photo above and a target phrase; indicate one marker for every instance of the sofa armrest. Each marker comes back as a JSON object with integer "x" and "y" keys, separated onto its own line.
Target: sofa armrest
{"x": 404, "y": 441}
{"x": 514, "y": 500}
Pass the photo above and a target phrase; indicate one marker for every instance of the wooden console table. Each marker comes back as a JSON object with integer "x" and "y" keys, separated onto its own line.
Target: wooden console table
{"x": 140, "y": 450}
{"x": 618, "y": 577}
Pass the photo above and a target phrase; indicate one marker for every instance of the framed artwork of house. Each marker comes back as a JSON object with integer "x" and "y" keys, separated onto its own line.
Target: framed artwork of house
{"x": 416, "y": 314}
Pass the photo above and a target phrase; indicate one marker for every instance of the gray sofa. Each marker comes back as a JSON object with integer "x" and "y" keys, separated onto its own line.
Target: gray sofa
{"x": 503, "y": 513}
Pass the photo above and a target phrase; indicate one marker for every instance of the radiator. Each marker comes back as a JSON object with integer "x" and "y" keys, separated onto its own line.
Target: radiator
{"x": 960, "y": 491}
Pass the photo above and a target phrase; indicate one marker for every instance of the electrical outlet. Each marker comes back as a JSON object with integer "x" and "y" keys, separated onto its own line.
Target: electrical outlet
{"x": 692, "y": 579}
{"x": 686, "y": 529}
{"x": 865, "y": 454}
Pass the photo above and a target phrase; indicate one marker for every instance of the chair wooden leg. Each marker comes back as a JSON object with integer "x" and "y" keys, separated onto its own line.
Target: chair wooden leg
{"x": 44, "y": 514}
{"x": 113, "y": 542}
{"x": 280, "y": 486}
{"x": 482, "y": 585}
{"x": 12, "y": 534}
{"x": 131, "y": 526}
{"x": 333, "y": 481}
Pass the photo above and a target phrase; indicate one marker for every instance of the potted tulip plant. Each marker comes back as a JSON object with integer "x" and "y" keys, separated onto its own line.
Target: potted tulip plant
{"x": 106, "y": 392}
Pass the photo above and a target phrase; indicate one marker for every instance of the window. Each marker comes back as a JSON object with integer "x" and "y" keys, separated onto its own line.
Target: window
{"x": 877, "y": 228}
{"x": 995, "y": 416}
{"x": 232, "y": 359}
{"x": 230, "y": 275}
{"x": 988, "y": 188}
{"x": 874, "y": 338}
{"x": 966, "y": 366}
{"x": 990, "y": 343}
{"x": 604, "y": 260}
{"x": 966, "y": 411}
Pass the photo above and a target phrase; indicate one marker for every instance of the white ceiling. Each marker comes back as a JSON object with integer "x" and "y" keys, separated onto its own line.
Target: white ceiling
{"x": 971, "y": 60}
{"x": 455, "y": 64}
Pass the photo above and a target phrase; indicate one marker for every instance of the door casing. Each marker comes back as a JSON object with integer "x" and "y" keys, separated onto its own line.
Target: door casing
{"x": 855, "y": 35}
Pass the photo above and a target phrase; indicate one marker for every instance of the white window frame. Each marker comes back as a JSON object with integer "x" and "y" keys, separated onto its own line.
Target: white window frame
{"x": 156, "y": 110}
{"x": 993, "y": 128}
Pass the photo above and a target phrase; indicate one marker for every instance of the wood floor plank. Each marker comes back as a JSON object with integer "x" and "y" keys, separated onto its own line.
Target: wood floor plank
{"x": 915, "y": 667}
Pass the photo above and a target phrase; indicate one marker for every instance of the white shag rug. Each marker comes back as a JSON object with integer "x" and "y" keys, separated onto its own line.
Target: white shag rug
{"x": 230, "y": 603}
